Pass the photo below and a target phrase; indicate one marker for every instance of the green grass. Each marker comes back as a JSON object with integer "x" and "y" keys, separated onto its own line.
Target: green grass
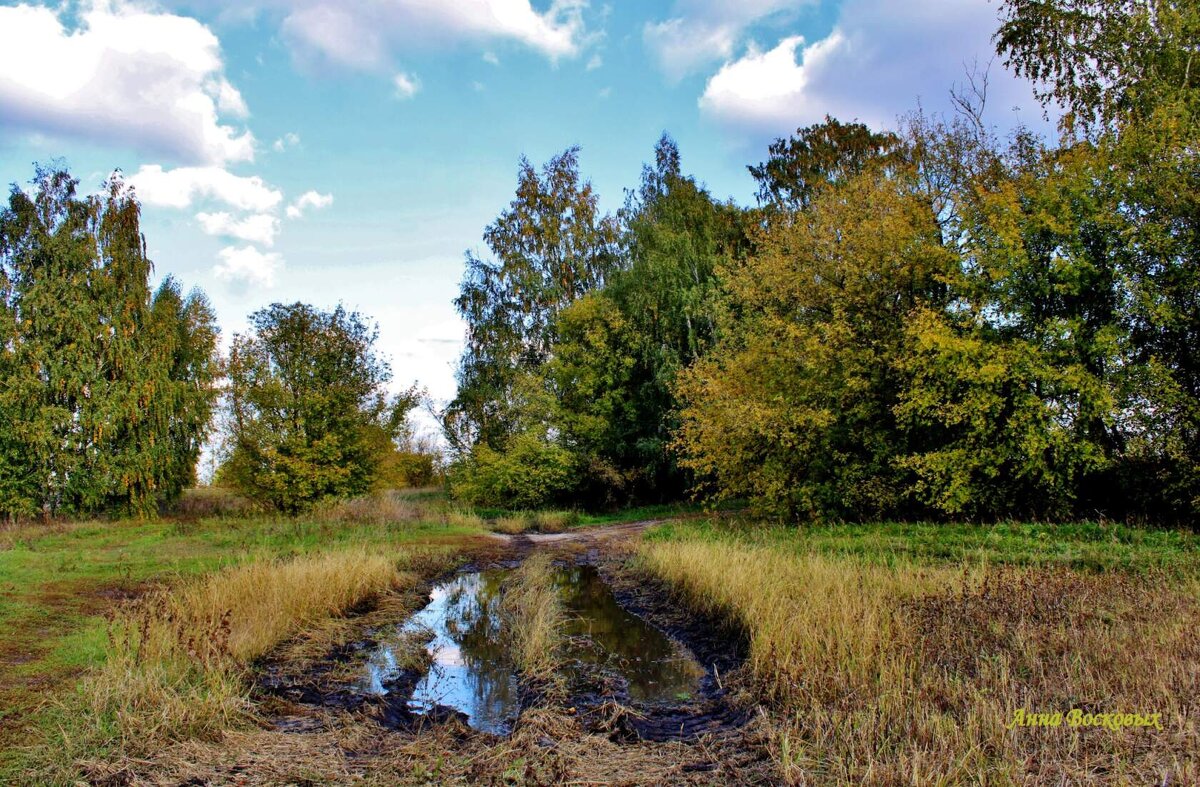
{"x": 1085, "y": 546}
{"x": 640, "y": 514}
{"x": 58, "y": 581}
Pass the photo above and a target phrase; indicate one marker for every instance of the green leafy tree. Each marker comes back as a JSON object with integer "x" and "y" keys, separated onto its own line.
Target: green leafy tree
{"x": 549, "y": 247}
{"x": 1016, "y": 389}
{"x": 617, "y": 355}
{"x": 186, "y": 331}
{"x": 793, "y": 408}
{"x": 88, "y": 387}
{"x": 1126, "y": 74}
{"x": 1110, "y": 64}
{"x": 817, "y": 156}
{"x": 308, "y": 406}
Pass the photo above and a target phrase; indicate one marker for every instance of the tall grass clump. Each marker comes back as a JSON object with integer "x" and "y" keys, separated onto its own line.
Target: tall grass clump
{"x": 819, "y": 627}
{"x": 533, "y": 619}
{"x": 379, "y": 508}
{"x": 175, "y": 662}
{"x": 535, "y": 521}
{"x": 898, "y": 674}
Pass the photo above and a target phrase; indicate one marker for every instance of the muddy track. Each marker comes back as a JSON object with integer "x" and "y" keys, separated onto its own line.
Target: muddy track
{"x": 304, "y": 693}
{"x": 583, "y": 535}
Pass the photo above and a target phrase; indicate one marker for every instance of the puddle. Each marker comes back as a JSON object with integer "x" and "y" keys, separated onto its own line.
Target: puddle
{"x": 656, "y": 669}
{"x": 461, "y": 627}
{"x": 461, "y": 623}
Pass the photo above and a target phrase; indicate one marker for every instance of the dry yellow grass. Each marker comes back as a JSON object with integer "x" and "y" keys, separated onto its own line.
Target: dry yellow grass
{"x": 891, "y": 675}
{"x": 379, "y": 508}
{"x": 175, "y": 663}
{"x": 513, "y": 523}
{"x": 533, "y": 618}
{"x": 555, "y": 521}
{"x": 463, "y": 519}
{"x": 538, "y": 521}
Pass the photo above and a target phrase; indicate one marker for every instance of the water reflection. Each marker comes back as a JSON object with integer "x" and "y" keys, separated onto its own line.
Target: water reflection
{"x": 469, "y": 673}
{"x": 657, "y": 670}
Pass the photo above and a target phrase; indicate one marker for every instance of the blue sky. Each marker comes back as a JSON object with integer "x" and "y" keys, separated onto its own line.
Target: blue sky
{"x": 351, "y": 152}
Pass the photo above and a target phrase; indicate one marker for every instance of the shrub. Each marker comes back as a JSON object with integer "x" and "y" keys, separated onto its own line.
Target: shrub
{"x": 532, "y": 473}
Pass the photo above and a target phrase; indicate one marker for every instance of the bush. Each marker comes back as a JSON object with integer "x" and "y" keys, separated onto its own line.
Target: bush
{"x": 532, "y": 473}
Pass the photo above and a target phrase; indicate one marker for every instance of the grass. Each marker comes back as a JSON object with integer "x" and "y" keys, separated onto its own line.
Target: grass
{"x": 886, "y": 653}
{"x": 536, "y": 522}
{"x": 174, "y": 665}
{"x": 1086, "y": 546}
{"x": 557, "y": 521}
{"x": 887, "y": 658}
{"x": 533, "y": 619}
{"x": 60, "y": 583}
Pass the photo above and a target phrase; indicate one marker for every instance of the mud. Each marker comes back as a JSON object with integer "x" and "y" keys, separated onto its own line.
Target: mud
{"x": 301, "y": 696}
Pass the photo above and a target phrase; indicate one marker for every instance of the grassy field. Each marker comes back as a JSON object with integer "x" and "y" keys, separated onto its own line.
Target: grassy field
{"x": 881, "y": 653}
{"x": 913, "y": 653}
{"x": 61, "y": 584}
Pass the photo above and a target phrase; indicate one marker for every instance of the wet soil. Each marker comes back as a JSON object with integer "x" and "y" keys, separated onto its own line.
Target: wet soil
{"x": 300, "y": 696}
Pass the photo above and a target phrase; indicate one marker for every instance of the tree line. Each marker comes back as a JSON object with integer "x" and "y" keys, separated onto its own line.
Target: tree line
{"x": 108, "y": 390}
{"x": 934, "y": 322}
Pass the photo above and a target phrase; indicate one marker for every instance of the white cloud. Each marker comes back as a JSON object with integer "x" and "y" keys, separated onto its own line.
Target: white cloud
{"x": 288, "y": 140}
{"x": 365, "y": 35}
{"x": 880, "y": 59}
{"x": 122, "y": 76}
{"x": 490, "y": 57}
{"x": 768, "y": 88}
{"x": 180, "y": 187}
{"x": 256, "y": 228}
{"x": 309, "y": 199}
{"x": 248, "y": 265}
{"x": 407, "y": 85}
{"x": 595, "y": 62}
{"x": 703, "y": 31}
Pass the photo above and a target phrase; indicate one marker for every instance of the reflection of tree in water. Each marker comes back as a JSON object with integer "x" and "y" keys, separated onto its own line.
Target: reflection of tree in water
{"x": 657, "y": 670}
{"x": 469, "y": 672}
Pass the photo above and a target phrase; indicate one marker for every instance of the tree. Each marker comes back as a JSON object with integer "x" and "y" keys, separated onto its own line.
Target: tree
{"x": 185, "y": 328}
{"x": 793, "y": 407}
{"x": 308, "y": 402}
{"x": 618, "y": 354}
{"x": 1127, "y": 75}
{"x": 90, "y": 419}
{"x": 818, "y": 156}
{"x": 551, "y": 246}
{"x": 1111, "y": 64}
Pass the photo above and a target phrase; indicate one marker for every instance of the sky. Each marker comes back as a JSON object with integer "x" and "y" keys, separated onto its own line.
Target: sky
{"x": 336, "y": 152}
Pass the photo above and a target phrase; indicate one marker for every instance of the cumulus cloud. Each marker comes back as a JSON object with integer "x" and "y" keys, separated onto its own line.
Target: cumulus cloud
{"x": 769, "y": 88}
{"x": 248, "y": 265}
{"x": 877, "y": 62}
{"x": 364, "y": 35}
{"x": 407, "y": 85}
{"x": 256, "y": 228}
{"x": 120, "y": 75}
{"x": 703, "y": 31}
{"x": 180, "y": 187}
{"x": 309, "y": 199}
